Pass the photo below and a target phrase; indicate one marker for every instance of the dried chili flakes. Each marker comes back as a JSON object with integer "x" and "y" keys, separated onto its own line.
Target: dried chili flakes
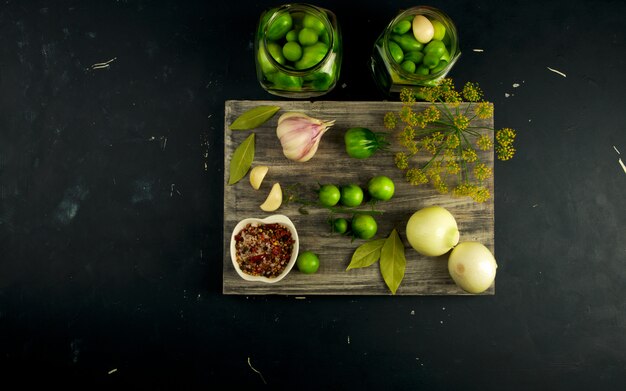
{"x": 263, "y": 249}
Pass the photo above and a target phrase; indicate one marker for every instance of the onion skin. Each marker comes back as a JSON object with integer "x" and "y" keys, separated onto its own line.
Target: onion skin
{"x": 472, "y": 267}
{"x": 432, "y": 231}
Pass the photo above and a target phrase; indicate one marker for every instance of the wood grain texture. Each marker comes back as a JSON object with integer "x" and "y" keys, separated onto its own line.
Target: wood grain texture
{"x": 423, "y": 275}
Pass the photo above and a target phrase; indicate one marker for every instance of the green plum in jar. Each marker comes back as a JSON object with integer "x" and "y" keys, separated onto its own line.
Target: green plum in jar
{"x": 298, "y": 51}
{"x": 418, "y": 48}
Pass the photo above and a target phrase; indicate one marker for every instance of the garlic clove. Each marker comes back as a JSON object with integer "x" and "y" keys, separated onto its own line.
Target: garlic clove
{"x": 256, "y": 176}
{"x": 274, "y": 199}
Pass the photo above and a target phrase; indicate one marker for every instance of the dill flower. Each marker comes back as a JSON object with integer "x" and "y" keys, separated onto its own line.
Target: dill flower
{"x": 432, "y": 143}
{"x": 447, "y": 134}
{"x": 480, "y": 194}
{"x": 390, "y": 120}
{"x": 408, "y": 116}
{"x": 407, "y": 96}
{"x": 445, "y": 86}
{"x": 453, "y": 167}
{"x": 472, "y": 92}
{"x": 452, "y": 141}
{"x": 407, "y": 139}
{"x": 462, "y": 190}
{"x": 484, "y": 143}
{"x": 401, "y": 160}
{"x": 416, "y": 177}
{"x": 447, "y": 92}
{"x": 505, "y": 136}
{"x": 434, "y": 175}
{"x": 469, "y": 155}
{"x": 505, "y": 152}
{"x": 482, "y": 172}
{"x": 484, "y": 110}
{"x": 429, "y": 115}
{"x": 461, "y": 121}
{"x": 421, "y": 120}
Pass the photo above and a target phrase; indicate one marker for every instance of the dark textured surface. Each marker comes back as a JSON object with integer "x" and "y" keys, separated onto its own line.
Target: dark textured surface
{"x": 111, "y": 206}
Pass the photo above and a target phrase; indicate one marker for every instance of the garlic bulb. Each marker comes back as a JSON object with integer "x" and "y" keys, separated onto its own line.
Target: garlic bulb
{"x": 300, "y": 135}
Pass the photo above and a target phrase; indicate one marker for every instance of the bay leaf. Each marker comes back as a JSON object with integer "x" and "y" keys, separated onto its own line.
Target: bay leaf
{"x": 366, "y": 254}
{"x": 254, "y": 117}
{"x": 392, "y": 261}
{"x": 241, "y": 160}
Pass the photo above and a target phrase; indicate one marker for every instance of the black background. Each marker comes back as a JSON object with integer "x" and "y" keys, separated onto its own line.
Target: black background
{"x": 111, "y": 188}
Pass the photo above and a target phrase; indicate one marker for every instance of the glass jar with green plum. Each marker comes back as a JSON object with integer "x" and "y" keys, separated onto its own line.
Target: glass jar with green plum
{"x": 298, "y": 51}
{"x": 418, "y": 48}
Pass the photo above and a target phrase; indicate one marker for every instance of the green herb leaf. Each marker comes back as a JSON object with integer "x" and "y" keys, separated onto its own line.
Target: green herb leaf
{"x": 366, "y": 254}
{"x": 392, "y": 261}
{"x": 242, "y": 160}
{"x": 254, "y": 117}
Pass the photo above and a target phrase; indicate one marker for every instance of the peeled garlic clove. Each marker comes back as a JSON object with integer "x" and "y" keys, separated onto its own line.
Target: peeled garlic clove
{"x": 256, "y": 176}
{"x": 300, "y": 135}
{"x": 274, "y": 199}
{"x": 423, "y": 29}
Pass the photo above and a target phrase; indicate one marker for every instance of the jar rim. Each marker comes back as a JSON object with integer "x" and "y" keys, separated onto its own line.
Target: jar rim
{"x": 427, "y": 11}
{"x": 311, "y": 9}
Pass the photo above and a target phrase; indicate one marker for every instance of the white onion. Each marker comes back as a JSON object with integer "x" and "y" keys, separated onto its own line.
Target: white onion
{"x": 432, "y": 231}
{"x": 472, "y": 267}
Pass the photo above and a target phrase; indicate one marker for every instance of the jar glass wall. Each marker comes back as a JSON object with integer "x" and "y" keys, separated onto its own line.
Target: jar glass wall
{"x": 418, "y": 48}
{"x": 298, "y": 51}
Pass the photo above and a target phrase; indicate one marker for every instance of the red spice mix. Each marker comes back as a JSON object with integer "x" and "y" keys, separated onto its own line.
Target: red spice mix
{"x": 263, "y": 249}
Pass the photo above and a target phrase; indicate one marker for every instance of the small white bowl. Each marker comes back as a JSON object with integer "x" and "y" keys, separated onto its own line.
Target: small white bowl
{"x": 280, "y": 219}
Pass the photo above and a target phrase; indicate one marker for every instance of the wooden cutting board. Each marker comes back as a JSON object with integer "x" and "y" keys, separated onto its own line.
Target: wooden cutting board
{"x": 331, "y": 164}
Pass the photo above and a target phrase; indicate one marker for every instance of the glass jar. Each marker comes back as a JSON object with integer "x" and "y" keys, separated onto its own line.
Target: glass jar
{"x": 400, "y": 59}
{"x": 298, "y": 51}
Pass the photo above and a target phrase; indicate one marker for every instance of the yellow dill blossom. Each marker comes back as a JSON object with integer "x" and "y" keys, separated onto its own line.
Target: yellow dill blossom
{"x": 469, "y": 155}
{"x": 407, "y": 139}
{"x": 401, "y": 160}
{"x": 415, "y": 176}
{"x": 408, "y": 116}
{"x": 429, "y": 115}
{"x": 484, "y": 110}
{"x": 441, "y": 186}
{"x": 480, "y": 194}
{"x": 505, "y": 136}
{"x": 433, "y": 142}
{"x": 450, "y": 154}
{"x": 472, "y": 92}
{"x": 452, "y": 141}
{"x": 453, "y": 167}
{"x": 421, "y": 120}
{"x": 445, "y": 86}
{"x": 432, "y": 114}
{"x": 407, "y": 96}
{"x": 484, "y": 143}
{"x": 430, "y": 94}
{"x": 434, "y": 175}
{"x": 462, "y": 190}
{"x": 438, "y": 137}
{"x": 390, "y": 120}
{"x": 505, "y": 151}
{"x": 482, "y": 172}
{"x": 461, "y": 121}
{"x": 408, "y": 133}
{"x": 450, "y": 136}
{"x": 429, "y": 145}
{"x": 447, "y": 93}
